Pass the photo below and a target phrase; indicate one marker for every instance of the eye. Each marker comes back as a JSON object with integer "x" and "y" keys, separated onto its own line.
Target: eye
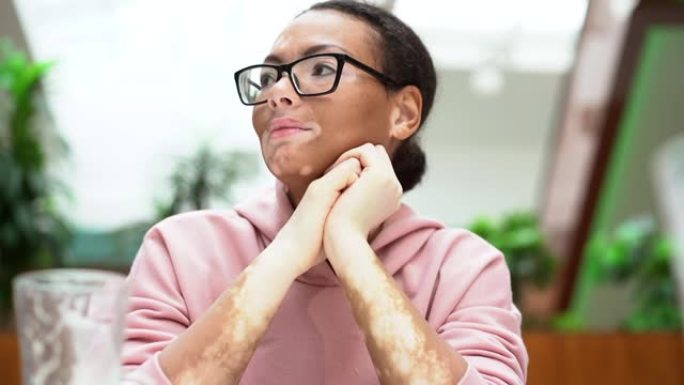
{"x": 323, "y": 69}
{"x": 266, "y": 79}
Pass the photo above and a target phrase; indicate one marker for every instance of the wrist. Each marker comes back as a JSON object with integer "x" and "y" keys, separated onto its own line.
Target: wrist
{"x": 280, "y": 256}
{"x": 338, "y": 230}
{"x": 344, "y": 247}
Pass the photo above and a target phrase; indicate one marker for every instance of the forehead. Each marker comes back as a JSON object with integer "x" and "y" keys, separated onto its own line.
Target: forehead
{"x": 326, "y": 28}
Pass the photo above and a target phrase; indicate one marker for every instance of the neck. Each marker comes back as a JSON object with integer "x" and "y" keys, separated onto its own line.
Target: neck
{"x": 295, "y": 192}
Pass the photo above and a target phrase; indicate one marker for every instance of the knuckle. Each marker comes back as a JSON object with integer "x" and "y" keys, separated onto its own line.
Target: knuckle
{"x": 314, "y": 187}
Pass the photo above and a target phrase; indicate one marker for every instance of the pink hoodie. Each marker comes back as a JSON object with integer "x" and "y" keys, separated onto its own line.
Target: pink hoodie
{"x": 456, "y": 280}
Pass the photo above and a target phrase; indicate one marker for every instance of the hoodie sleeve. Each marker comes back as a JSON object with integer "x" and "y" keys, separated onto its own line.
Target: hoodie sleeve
{"x": 157, "y": 312}
{"x": 477, "y": 317}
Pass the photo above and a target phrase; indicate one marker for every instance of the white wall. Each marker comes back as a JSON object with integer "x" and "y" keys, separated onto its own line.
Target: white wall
{"x": 138, "y": 84}
{"x": 487, "y": 155}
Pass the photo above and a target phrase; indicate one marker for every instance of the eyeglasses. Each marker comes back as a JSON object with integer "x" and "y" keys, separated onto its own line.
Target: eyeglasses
{"x": 311, "y": 76}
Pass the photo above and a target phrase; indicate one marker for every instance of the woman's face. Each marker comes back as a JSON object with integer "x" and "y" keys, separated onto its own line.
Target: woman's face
{"x": 321, "y": 128}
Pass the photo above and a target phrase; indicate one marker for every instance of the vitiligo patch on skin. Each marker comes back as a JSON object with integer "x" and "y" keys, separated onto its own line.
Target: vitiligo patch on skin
{"x": 275, "y": 169}
{"x": 306, "y": 171}
{"x": 229, "y": 352}
{"x": 420, "y": 381}
{"x": 276, "y": 161}
{"x": 393, "y": 330}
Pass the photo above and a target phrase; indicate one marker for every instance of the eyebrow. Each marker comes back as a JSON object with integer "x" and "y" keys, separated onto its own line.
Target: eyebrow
{"x": 273, "y": 58}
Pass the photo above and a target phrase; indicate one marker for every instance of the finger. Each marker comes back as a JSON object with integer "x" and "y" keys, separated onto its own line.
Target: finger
{"x": 382, "y": 152}
{"x": 346, "y": 155}
{"x": 367, "y": 154}
{"x": 344, "y": 173}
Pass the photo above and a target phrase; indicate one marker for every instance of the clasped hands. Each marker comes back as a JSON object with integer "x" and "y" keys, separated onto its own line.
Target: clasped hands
{"x": 355, "y": 196}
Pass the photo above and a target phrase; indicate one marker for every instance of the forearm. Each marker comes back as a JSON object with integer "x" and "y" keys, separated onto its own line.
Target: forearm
{"x": 403, "y": 347}
{"x": 218, "y": 346}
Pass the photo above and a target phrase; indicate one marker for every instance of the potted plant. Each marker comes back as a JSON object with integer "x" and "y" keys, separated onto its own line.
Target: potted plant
{"x": 520, "y": 239}
{"x": 33, "y": 233}
{"x": 197, "y": 182}
{"x": 205, "y": 176}
{"x": 636, "y": 253}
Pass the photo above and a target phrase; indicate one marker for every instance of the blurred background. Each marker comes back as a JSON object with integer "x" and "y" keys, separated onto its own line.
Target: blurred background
{"x": 557, "y": 134}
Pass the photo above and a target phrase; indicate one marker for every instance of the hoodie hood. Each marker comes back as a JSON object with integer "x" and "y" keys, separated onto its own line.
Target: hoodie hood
{"x": 401, "y": 236}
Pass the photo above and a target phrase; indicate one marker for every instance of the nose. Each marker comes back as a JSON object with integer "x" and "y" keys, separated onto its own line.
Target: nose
{"x": 283, "y": 93}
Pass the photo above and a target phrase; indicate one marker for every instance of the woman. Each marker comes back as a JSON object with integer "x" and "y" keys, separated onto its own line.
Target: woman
{"x": 327, "y": 278}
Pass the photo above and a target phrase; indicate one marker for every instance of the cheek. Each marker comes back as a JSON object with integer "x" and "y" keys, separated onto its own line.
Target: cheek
{"x": 258, "y": 120}
{"x": 362, "y": 117}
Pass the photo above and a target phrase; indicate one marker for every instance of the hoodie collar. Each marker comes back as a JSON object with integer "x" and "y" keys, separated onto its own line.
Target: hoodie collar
{"x": 401, "y": 237}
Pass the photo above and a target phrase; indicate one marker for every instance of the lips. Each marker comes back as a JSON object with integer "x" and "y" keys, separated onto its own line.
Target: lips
{"x": 283, "y": 127}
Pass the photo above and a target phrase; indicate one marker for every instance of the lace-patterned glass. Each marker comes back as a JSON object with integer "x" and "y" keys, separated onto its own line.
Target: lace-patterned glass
{"x": 70, "y": 325}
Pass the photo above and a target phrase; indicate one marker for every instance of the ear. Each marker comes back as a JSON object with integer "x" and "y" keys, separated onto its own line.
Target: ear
{"x": 407, "y": 105}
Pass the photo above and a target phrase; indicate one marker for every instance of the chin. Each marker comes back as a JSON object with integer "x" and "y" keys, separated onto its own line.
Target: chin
{"x": 293, "y": 173}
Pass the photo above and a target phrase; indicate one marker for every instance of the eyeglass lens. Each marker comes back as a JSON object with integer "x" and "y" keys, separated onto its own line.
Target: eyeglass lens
{"x": 311, "y": 76}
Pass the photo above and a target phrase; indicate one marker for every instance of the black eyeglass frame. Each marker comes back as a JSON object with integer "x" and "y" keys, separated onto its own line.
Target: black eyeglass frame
{"x": 341, "y": 59}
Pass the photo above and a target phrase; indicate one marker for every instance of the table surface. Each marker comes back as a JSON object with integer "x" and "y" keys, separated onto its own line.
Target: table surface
{"x": 555, "y": 358}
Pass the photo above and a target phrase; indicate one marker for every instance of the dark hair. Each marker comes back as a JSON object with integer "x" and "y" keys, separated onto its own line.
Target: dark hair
{"x": 405, "y": 59}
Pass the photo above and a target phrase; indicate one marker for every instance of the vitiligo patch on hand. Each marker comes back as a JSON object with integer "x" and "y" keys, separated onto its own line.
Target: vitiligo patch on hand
{"x": 393, "y": 328}
{"x": 230, "y": 350}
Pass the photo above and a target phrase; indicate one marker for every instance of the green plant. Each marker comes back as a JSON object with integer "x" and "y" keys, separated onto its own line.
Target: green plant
{"x": 196, "y": 182}
{"x": 520, "y": 239}
{"x": 635, "y": 252}
{"x": 205, "y": 176}
{"x": 33, "y": 234}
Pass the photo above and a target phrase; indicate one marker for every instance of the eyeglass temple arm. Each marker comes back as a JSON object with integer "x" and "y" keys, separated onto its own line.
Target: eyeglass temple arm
{"x": 255, "y": 85}
{"x": 370, "y": 70}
